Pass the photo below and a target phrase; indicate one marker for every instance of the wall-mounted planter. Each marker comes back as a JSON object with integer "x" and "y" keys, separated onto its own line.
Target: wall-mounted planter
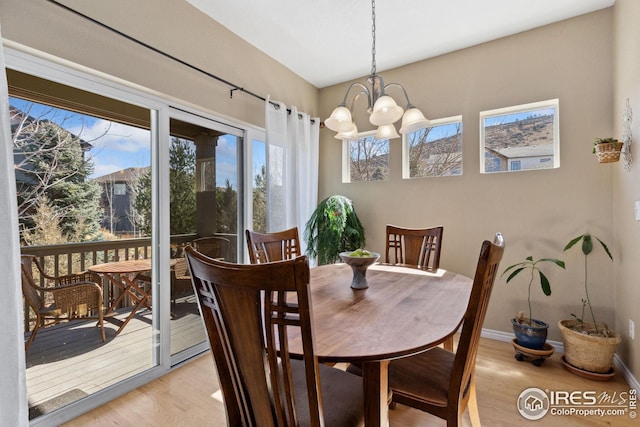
{"x": 608, "y": 152}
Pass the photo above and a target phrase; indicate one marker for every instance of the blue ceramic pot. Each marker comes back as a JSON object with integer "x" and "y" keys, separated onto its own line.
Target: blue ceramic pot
{"x": 533, "y": 336}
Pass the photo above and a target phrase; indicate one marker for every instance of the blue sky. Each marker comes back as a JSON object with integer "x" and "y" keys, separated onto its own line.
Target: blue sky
{"x": 118, "y": 146}
{"x": 115, "y": 146}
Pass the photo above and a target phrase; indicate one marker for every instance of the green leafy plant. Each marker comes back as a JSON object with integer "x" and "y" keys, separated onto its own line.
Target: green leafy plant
{"x": 333, "y": 227}
{"x": 532, "y": 266}
{"x": 587, "y": 248}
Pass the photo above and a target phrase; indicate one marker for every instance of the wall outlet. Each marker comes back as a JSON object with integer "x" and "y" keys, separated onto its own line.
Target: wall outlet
{"x": 637, "y": 210}
{"x": 631, "y": 329}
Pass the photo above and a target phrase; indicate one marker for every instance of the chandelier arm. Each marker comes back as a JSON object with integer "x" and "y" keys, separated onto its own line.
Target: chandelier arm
{"x": 366, "y": 93}
{"x": 363, "y": 90}
{"x": 409, "y": 104}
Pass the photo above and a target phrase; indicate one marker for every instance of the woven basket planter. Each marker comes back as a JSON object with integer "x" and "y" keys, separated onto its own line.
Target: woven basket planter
{"x": 608, "y": 153}
{"x": 588, "y": 352}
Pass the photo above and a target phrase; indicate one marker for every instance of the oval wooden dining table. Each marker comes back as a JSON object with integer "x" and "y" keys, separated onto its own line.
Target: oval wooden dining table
{"x": 404, "y": 311}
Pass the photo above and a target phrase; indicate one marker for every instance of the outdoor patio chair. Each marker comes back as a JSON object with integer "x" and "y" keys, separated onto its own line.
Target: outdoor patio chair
{"x": 180, "y": 279}
{"x": 247, "y": 315}
{"x": 75, "y": 297}
{"x": 213, "y": 246}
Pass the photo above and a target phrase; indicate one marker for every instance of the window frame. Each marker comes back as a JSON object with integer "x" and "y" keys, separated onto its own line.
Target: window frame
{"x": 522, "y": 108}
{"x": 406, "y": 158}
{"x": 346, "y": 157}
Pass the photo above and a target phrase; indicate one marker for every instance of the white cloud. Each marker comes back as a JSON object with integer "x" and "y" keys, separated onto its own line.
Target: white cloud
{"x": 106, "y": 135}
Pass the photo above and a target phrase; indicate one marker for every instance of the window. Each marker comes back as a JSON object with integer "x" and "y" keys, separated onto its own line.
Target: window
{"x": 365, "y": 159}
{"x": 523, "y": 137}
{"x": 434, "y": 151}
{"x": 120, "y": 189}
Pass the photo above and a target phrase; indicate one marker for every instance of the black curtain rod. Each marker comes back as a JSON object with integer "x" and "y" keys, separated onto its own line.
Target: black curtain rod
{"x": 233, "y": 86}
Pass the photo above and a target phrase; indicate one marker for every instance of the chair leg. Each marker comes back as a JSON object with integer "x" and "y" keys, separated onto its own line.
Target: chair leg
{"x": 101, "y": 324}
{"x": 33, "y": 335}
{"x": 472, "y": 403}
{"x": 448, "y": 344}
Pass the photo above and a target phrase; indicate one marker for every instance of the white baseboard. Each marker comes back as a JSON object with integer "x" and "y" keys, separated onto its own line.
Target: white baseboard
{"x": 559, "y": 348}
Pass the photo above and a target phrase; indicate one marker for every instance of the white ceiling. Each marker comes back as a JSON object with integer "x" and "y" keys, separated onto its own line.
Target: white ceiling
{"x": 329, "y": 41}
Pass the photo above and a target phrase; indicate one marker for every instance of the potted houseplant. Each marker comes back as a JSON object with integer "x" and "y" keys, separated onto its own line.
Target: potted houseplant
{"x": 332, "y": 228}
{"x": 589, "y": 345}
{"x": 607, "y": 149}
{"x": 531, "y": 333}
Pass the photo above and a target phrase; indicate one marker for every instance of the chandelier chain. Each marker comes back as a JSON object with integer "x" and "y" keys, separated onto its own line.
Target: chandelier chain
{"x": 373, "y": 36}
{"x": 383, "y": 109}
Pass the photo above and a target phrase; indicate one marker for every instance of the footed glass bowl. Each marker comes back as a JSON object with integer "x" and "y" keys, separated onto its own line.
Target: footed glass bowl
{"x": 359, "y": 265}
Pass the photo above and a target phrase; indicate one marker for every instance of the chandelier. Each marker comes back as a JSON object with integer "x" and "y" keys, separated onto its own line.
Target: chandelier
{"x": 383, "y": 109}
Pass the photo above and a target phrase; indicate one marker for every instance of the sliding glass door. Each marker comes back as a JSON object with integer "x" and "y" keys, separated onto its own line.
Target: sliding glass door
{"x": 205, "y": 159}
{"x": 106, "y": 175}
{"x": 83, "y": 175}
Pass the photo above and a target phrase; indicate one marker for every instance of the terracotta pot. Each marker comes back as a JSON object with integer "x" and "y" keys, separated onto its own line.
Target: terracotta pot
{"x": 588, "y": 352}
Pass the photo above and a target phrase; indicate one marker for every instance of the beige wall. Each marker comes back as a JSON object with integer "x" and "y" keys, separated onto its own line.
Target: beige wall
{"x": 626, "y": 185}
{"x": 173, "y": 27}
{"x": 537, "y": 211}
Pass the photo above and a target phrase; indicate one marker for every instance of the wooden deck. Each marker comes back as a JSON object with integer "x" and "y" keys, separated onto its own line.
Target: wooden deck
{"x": 69, "y": 361}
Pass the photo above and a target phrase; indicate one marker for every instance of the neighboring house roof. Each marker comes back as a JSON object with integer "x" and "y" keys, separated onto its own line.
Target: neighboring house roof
{"x": 123, "y": 175}
{"x": 531, "y": 151}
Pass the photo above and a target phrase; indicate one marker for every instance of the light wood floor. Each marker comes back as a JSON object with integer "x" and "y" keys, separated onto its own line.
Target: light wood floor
{"x": 189, "y": 396}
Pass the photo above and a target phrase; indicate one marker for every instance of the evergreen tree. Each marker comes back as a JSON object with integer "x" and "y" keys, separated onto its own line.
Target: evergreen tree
{"x": 260, "y": 201}
{"x": 182, "y": 191}
{"x": 182, "y": 186}
{"x": 227, "y": 209}
{"x": 143, "y": 204}
{"x": 50, "y": 166}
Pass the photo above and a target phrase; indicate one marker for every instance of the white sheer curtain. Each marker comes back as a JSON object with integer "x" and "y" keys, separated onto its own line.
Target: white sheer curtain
{"x": 292, "y": 139}
{"x": 13, "y": 393}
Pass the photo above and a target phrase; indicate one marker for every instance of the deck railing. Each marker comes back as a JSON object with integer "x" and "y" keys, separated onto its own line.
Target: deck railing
{"x": 71, "y": 258}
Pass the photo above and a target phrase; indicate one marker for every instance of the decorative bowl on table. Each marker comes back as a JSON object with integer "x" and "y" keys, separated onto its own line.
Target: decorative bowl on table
{"x": 359, "y": 260}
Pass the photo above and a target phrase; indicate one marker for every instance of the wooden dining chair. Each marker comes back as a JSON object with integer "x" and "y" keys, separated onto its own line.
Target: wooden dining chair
{"x": 62, "y": 298}
{"x": 276, "y": 246}
{"x": 418, "y": 247}
{"x": 441, "y": 382}
{"x": 247, "y": 312}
